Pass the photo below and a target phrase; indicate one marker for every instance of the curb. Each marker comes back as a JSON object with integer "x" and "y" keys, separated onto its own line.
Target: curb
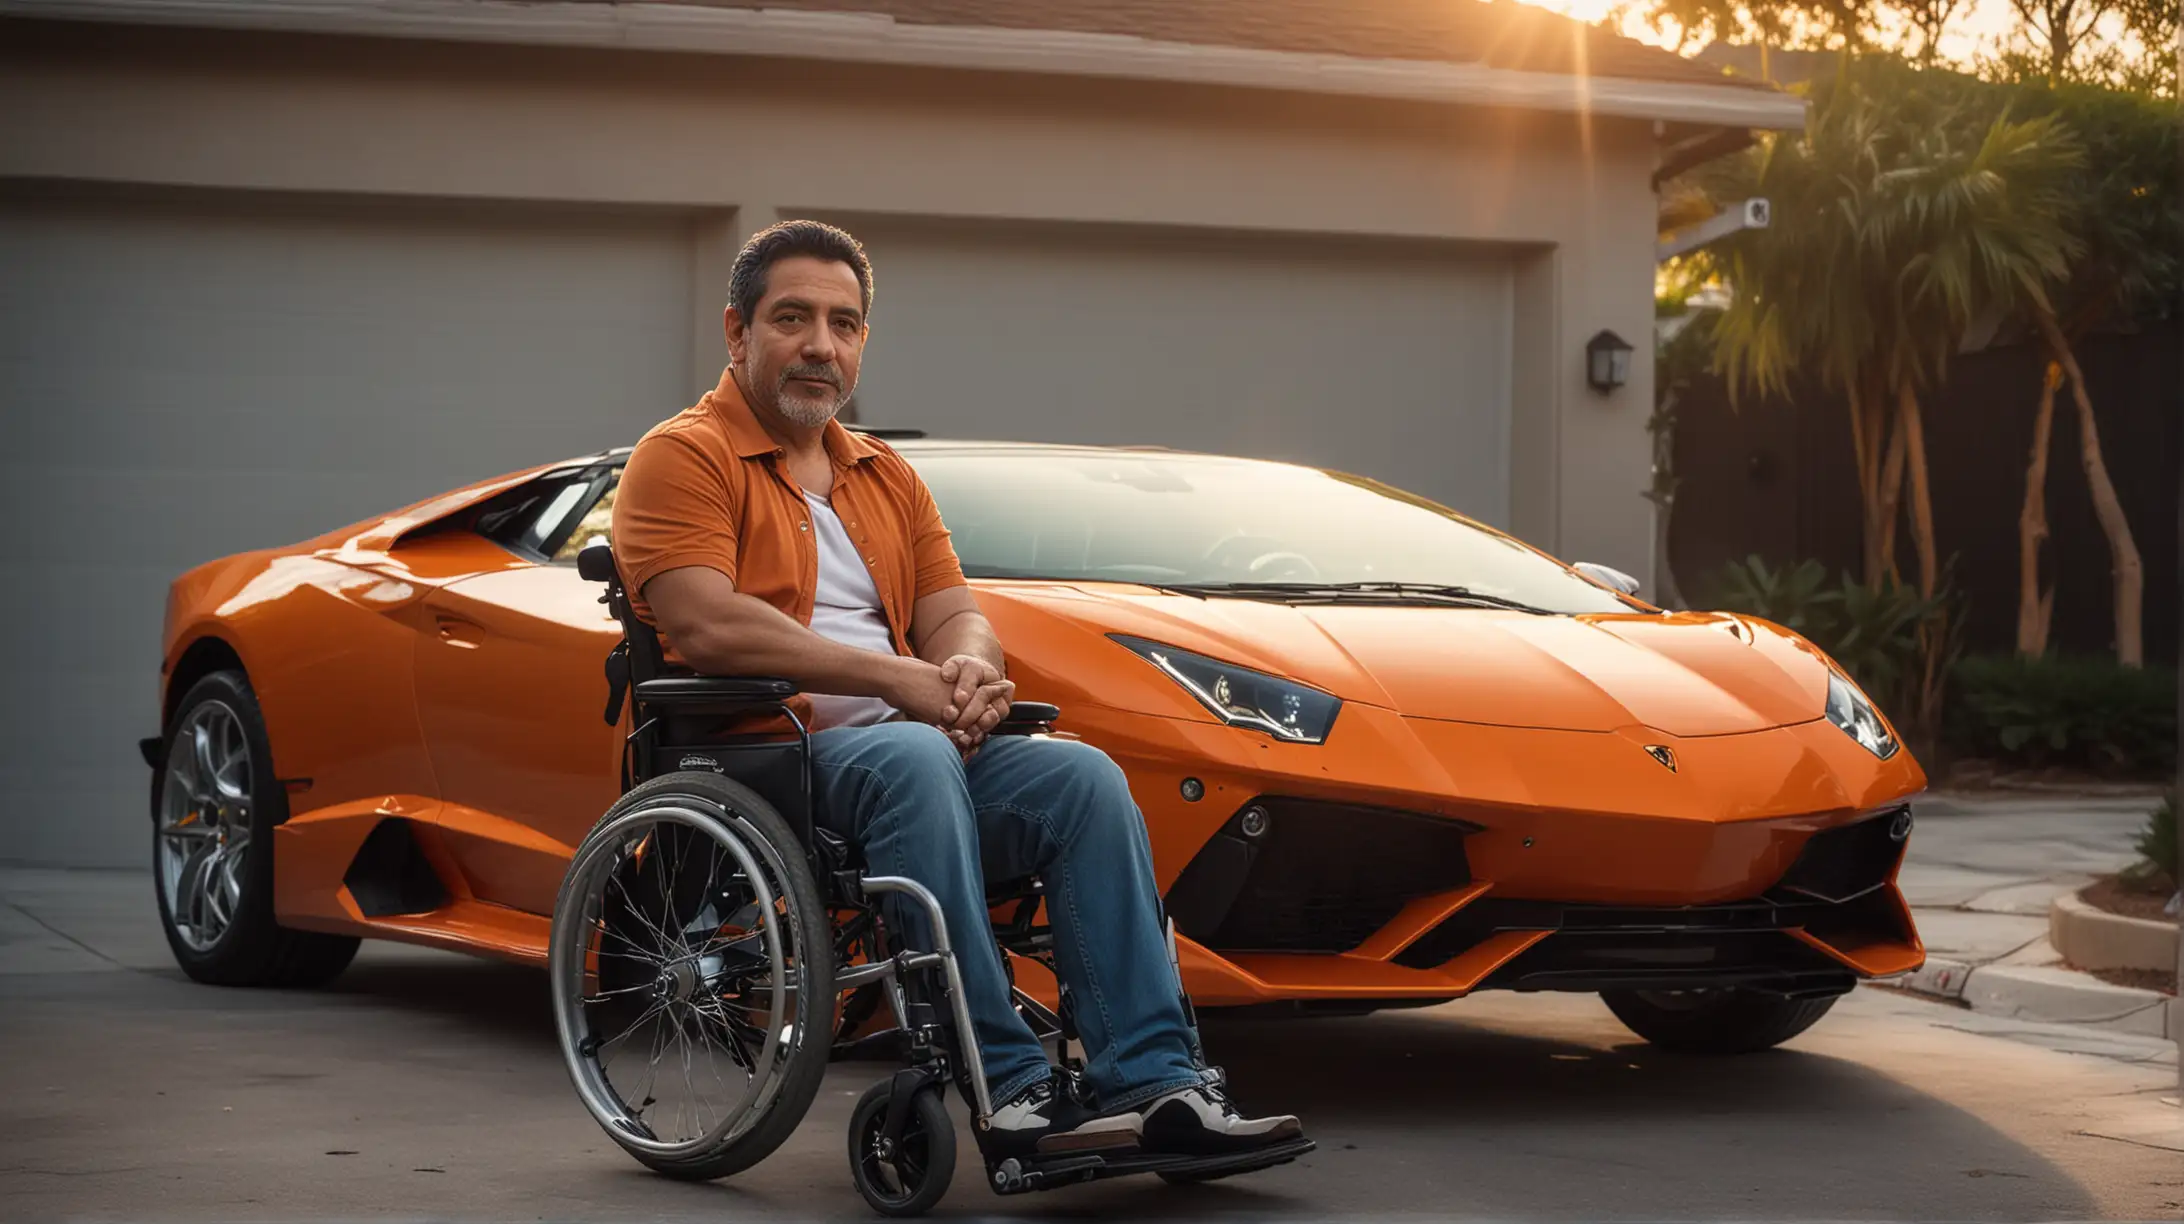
{"x": 2093, "y": 938}
{"x": 2057, "y": 995}
{"x": 1939, "y": 977}
{"x": 2028, "y": 989}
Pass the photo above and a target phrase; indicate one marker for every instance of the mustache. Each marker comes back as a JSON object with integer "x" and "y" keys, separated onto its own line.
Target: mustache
{"x": 816, "y": 373}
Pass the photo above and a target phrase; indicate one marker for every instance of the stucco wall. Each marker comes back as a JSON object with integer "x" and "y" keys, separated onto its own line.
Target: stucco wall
{"x": 732, "y": 144}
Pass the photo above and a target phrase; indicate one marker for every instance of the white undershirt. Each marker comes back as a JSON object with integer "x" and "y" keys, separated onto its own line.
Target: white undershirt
{"x": 846, "y": 610}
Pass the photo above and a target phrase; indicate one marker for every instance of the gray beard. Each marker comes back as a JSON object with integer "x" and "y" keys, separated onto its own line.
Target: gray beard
{"x": 807, "y": 414}
{"x": 804, "y": 412}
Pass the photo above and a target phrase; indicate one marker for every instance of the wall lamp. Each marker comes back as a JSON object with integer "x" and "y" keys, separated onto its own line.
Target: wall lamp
{"x": 1607, "y": 362}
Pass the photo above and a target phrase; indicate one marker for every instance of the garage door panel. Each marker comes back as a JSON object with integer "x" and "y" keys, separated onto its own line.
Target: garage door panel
{"x": 186, "y": 380}
{"x": 338, "y": 342}
{"x": 1387, "y": 360}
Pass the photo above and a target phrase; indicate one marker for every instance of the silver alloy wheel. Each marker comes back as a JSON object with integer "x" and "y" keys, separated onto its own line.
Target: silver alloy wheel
{"x": 203, "y": 838}
{"x": 672, "y": 895}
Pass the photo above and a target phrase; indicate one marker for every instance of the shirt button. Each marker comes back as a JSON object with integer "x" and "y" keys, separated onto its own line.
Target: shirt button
{"x": 803, "y": 526}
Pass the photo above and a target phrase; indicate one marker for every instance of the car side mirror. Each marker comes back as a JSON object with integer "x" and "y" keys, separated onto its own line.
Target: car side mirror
{"x": 596, "y": 563}
{"x": 1608, "y": 576}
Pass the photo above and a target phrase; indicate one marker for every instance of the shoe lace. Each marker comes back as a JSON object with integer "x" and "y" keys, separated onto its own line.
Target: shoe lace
{"x": 1217, "y": 1092}
{"x": 1034, "y": 1094}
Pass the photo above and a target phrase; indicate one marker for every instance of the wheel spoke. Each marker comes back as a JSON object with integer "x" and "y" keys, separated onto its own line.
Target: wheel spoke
{"x": 190, "y": 891}
{"x": 189, "y": 829}
{"x": 231, "y": 882}
{"x": 634, "y": 1025}
{"x": 604, "y": 995}
{"x": 234, "y": 758}
{"x": 668, "y": 946}
{"x": 207, "y": 775}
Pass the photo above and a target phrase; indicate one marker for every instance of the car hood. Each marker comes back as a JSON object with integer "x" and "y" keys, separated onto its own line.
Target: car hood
{"x": 1687, "y": 674}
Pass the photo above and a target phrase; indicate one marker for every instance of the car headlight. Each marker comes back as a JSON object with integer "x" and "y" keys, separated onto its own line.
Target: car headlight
{"x": 1241, "y": 697}
{"x": 1849, "y": 709}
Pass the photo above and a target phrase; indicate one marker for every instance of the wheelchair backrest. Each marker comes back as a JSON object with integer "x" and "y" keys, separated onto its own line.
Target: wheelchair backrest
{"x": 638, "y": 658}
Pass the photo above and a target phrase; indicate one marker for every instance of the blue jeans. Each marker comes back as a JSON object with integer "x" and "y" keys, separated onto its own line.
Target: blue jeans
{"x": 1019, "y": 806}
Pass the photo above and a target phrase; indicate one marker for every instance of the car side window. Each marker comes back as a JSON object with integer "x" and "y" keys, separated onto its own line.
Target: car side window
{"x": 534, "y": 520}
{"x": 595, "y": 527}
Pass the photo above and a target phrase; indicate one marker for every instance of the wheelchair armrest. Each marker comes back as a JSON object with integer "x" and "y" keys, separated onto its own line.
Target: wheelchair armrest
{"x": 1028, "y": 717}
{"x": 722, "y": 692}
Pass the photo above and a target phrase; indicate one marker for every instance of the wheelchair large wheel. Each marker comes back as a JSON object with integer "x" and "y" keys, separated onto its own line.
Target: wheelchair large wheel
{"x": 693, "y": 976}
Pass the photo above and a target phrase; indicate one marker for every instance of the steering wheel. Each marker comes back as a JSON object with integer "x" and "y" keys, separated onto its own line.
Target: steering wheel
{"x": 1260, "y": 559}
{"x": 1282, "y": 566}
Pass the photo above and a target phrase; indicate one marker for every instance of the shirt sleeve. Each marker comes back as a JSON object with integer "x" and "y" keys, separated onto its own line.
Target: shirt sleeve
{"x": 672, "y": 509}
{"x": 931, "y": 551}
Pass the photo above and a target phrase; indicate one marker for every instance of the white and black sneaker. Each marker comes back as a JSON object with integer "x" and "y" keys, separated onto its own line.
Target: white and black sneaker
{"x": 1047, "y": 1118}
{"x": 1201, "y": 1120}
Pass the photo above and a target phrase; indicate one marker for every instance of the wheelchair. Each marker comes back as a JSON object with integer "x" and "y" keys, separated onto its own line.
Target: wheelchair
{"x": 713, "y": 949}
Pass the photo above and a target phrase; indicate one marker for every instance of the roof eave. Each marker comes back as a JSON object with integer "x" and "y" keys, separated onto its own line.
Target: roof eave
{"x": 879, "y": 39}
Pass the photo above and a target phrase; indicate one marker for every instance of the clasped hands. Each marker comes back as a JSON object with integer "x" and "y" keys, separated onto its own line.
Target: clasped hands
{"x": 964, "y": 695}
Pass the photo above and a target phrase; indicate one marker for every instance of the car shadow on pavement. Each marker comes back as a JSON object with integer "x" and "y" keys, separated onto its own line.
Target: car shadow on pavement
{"x": 1456, "y": 1110}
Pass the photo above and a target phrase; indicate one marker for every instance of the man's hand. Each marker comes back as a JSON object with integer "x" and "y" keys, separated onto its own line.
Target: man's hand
{"x": 921, "y": 694}
{"x": 980, "y": 698}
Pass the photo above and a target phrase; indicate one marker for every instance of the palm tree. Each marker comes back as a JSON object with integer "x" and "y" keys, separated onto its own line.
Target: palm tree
{"x": 1983, "y": 229}
{"x": 1894, "y": 232}
{"x": 1801, "y": 297}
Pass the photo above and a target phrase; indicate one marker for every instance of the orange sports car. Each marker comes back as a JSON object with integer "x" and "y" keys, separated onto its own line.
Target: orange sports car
{"x": 1387, "y": 755}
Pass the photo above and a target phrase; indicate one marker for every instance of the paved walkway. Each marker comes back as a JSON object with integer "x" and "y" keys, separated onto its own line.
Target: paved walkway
{"x": 1980, "y": 875}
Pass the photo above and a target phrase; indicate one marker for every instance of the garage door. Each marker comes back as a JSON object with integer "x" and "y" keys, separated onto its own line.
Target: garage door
{"x": 184, "y": 381}
{"x": 1387, "y": 360}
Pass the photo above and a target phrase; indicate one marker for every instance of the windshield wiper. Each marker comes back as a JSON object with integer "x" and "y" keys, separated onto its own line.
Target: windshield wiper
{"x": 1384, "y": 592}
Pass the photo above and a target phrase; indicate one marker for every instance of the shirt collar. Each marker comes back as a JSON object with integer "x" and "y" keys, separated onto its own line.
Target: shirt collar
{"x": 751, "y": 441}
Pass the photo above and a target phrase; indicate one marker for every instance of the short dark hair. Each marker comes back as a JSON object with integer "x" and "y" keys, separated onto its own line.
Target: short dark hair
{"x": 783, "y": 240}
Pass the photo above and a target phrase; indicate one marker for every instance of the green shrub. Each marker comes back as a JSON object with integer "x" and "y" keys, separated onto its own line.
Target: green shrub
{"x": 1795, "y": 597}
{"x": 2081, "y": 713}
{"x": 1874, "y": 634}
{"x": 2157, "y": 841}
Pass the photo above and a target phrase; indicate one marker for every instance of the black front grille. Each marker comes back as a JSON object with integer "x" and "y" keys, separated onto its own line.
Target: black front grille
{"x": 1321, "y": 877}
{"x": 1848, "y": 861}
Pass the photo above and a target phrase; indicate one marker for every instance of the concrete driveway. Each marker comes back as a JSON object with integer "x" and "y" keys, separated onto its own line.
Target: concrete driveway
{"x": 424, "y": 1085}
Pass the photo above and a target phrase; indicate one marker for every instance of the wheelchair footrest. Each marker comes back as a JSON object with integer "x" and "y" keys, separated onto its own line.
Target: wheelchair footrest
{"x": 1024, "y": 1175}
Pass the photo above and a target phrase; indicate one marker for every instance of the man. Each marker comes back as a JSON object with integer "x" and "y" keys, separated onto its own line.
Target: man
{"x": 762, "y": 538}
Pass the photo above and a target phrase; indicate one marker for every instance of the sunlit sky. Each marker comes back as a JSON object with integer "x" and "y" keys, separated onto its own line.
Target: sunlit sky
{"x": 1982, "y": 21}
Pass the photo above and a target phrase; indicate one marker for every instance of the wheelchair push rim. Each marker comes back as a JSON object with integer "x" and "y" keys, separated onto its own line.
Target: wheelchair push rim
{"x": 678, "y": 992}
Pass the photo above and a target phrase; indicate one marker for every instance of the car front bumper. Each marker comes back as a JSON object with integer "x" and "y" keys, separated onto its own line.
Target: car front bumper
{"x": 1411, "y": 860}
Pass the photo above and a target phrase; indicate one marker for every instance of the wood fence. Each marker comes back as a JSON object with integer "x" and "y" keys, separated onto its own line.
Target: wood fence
{"x": 1775, "y": 476}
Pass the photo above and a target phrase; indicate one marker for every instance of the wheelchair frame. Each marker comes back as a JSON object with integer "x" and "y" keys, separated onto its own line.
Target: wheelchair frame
{"x": 697, "y": 726}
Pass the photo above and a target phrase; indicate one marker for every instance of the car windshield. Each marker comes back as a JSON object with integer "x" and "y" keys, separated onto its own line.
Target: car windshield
{"x": 1215, "y": 525}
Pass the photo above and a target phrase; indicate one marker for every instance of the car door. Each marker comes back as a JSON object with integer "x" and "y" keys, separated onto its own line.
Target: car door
{"x": 510, "y": 693}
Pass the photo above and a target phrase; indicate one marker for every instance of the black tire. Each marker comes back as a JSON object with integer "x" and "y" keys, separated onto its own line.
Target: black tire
{"x": 805, "y": 1064}
{"x": 910, "y": 1180}
{"x": 1719, "y": 1021}
{"x": 253, "y": 949}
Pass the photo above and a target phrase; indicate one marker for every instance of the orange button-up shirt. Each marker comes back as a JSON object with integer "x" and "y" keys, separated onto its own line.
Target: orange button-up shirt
{"x": 710, "y": 487}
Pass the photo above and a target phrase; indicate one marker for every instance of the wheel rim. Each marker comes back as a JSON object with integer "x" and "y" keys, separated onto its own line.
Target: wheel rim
{"x": 667, "y": 945}
{"x": 895, "y": 1172}
{"x": 203, "y": 837}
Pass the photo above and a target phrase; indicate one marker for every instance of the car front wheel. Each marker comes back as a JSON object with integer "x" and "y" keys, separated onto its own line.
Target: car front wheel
{"x": 214, "y": 804}
{"x": 1717, "y": 1021}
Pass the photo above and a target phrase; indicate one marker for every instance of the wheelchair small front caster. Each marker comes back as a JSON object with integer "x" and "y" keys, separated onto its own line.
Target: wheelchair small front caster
{"x": 906, "y": 1174}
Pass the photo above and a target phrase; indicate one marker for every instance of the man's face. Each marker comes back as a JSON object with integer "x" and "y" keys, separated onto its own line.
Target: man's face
{"x": 798, "y": 354}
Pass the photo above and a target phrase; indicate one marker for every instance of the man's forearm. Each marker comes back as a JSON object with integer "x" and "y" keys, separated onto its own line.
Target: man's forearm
{"x": 965, "y": 633}
{"x": 746, "y": 636}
